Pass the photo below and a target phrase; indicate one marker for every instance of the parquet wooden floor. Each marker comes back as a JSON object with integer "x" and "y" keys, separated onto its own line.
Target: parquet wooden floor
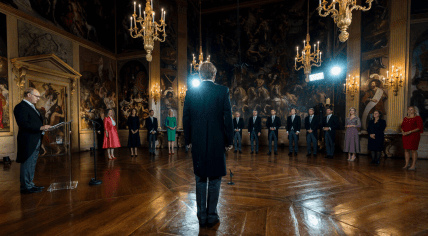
{"x": 272, "y": 195}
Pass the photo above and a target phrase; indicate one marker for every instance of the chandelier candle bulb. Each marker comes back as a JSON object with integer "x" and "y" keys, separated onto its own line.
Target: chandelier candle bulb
{"x": 131, "y": 24}
{"x": 135, "y": 7}
{"x": 139, "y": 6}
{"x": 151, "y": 4}
{"x": 153, "y": 17}
{"x": 144, "y": 15}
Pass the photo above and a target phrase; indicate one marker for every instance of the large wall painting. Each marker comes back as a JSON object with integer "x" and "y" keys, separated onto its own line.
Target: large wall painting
{"x": 133, "y": 86}
{"x": 90, "y": 20}
{"x": 419, "y": 69}
{"x": 53, "y": 108}
{"x": 35, "y": 41}
{"x": 4, "y": 84}
{"x": 266, "y": 78}
{"x": 97, "y": 86}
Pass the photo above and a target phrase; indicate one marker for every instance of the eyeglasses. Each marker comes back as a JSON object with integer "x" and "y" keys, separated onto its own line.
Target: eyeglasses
{"x": 36, "y": 95}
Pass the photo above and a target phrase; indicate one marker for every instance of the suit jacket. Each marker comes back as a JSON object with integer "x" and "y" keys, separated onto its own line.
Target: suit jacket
{"x": 312, "y": 125}
{"x": 257, "y": 125}
{"x": 333, "y": 124}
{"x": 151, "y": 126}
{"x": 239, "y": 125}
{"x": 29, "y": 133}
{"x": 275, "y": 124}
{"x": 208, "y": 126}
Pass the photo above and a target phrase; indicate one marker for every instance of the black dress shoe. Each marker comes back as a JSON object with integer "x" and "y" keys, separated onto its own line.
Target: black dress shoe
{"x": 202, "y": 224}
{"x": 315, "y": 155}
{"x": 212, "y": 224}
{"x": 295, "y": 154}
{"x": 269, "y": 153}
{"x": 39, "y": 187}
{"x": 235, "y": 151}
{"x": 330, "y": 157}
{"x": 308, "y": 155}
{"x": 257, "y": 152}
{"x": 240, "y": 151}
{"x": 252, "y": 152}
{"x": 290, "y": 153}
{"x": 276, "y": 153}
{"x": 32, "y": 190}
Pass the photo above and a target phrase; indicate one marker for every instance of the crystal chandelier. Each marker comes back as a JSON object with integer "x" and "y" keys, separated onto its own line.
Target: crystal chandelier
{"x": 147, "y": 28}
{"x": 342, "y": 16}
{"x": 194, "y": 66}
{"x": 156, "y": 93}
{"x": 351, "y": 87}
{"x": 308, "y": 58}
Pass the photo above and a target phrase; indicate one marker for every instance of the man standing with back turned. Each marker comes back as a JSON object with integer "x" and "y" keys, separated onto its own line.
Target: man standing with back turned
{"x": 208, "y": 130}
{"x": 30, "y": 134}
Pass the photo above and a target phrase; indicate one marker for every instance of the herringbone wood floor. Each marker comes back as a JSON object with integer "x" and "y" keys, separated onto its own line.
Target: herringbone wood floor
{"x": 272, "y": 195}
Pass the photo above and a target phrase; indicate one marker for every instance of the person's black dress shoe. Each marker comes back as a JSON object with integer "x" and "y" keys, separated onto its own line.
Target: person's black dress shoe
{"x": 32, "y": 190}
{"x": 308, "y": 155}
{"x": 235, "y": 151}
{"x": 252, "y": 152}
{"x": 295, "y": 154}
{"x": 315, "y": 155}
{"x": 326, "y": 156}
{"x": 269, "y": 153}
{"x": 39, "y": 187}
{"x": 210, "y": 225}
{"x": 202, "y": 224}
{"x": 290, "y": 153}
{"x": 257, "y": 152}
{"x": 331, "y": 157}
{"x": 240, "y": 151}
{"x": 276, "y": 153}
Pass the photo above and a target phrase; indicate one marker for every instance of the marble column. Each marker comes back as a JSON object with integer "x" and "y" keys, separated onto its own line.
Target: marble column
{"x": 354, "y": 58}
{"x": 182, "y": 54}
{"x": 398, "y": 51}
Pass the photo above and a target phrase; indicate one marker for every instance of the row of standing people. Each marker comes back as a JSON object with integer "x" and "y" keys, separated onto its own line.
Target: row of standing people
{"x": 411, "y": 128}
{"x": 329, "y": 124}
{"x": 111, "y": 137}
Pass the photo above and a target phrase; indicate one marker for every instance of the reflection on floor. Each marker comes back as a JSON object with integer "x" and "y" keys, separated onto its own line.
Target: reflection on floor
{"x": 272, "y": 195}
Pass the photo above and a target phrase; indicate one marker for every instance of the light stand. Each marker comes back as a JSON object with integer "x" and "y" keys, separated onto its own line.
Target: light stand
{"x": 94, "y": 181}
{"x": 231, "y": 175}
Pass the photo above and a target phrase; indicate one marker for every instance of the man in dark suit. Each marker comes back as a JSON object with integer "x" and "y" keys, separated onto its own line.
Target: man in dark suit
{"x": 30, "y": 134}
{"x": 273, "y": 123}
{"x": 293, "y": 130}
{"x": 238, "y": 125}
{"x": 311, "y": 125}
{"x": 330, "y": 124}
{"x": 208, "y": 130}
{"x": 152, "y": 127}
{"x": 254, "y": 130}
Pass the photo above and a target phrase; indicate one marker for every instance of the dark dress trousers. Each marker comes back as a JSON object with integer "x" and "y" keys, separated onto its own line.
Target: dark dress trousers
{"x": 29, "y": 133}
{"x": 208, "y": 126}
{"x": 378, "y": 130}
{"x": 275, "y": 124}
{"x": 239, "y": 125}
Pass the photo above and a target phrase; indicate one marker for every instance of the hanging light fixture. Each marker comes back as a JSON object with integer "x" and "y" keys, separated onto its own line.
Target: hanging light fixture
{"x": 343, "y": 16}
{"x": 308, "y": 58}
{"x": 148, "y": 28}
{"x": 194, "y": 66}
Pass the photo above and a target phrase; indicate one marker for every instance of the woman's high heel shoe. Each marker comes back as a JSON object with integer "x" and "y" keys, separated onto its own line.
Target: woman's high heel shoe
{"x": 414, "y": 168}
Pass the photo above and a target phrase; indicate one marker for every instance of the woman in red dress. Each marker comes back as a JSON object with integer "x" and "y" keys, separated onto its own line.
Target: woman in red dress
{"x": 111, "y": 139}
{"x": 411, "y": 128}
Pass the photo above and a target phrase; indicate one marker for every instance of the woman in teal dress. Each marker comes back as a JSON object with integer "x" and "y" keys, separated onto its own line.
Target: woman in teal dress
{"x": 171, "y": 126}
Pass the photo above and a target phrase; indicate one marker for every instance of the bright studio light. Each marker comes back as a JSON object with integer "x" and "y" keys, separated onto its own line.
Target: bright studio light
{"x": 335, "y": 70}
{"x": 196, "y": 82}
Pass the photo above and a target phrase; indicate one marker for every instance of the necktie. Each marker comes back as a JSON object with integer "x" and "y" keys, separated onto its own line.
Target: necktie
{"x": 328, "y": 118}
{"x": 310, "y": 119}
{"x": 254, "y": 120}
{"x": 292, "y": 118}
{"x": 151, "y": 118}
{"x": 273, "y": 119}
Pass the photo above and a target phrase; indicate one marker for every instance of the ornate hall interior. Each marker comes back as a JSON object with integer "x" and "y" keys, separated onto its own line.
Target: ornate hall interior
{"x": 92, "y": 59}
